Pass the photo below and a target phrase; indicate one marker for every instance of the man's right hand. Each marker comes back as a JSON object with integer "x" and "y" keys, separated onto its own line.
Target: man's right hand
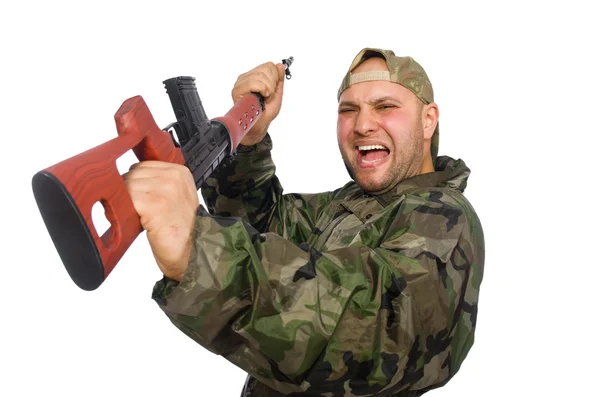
{"x": 266, "y": 79}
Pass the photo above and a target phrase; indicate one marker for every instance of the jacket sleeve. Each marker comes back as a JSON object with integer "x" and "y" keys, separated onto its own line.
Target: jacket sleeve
{"x": 248, "y": 188}
{"x": 393, "y": 316}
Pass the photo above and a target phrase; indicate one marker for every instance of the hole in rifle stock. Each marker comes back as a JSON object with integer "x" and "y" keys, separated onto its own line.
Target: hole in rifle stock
{"x": 125, "y": 161}
{"x": 99, "y": 219}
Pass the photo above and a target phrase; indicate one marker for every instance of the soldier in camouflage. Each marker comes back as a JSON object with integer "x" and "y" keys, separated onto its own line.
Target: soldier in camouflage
{"x": 370, "y": 289}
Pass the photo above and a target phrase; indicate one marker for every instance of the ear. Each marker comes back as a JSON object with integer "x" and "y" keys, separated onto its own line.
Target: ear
{"x": 430, "y": 116}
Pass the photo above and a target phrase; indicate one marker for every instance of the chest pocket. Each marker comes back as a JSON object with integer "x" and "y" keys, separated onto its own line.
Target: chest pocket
{"x": 350, "y": 225}
{"x": 344, "y": 233}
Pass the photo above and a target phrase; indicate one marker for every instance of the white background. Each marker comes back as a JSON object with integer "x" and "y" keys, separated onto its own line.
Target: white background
{"x": 516, "y": 85}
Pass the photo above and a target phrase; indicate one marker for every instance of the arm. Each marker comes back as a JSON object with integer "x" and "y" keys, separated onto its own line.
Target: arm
{"x": 249, "y": 189}
{"x": 392, "y": 316}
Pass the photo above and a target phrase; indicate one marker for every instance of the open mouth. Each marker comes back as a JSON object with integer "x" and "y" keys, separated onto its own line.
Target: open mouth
{"x": 371, "y": 155}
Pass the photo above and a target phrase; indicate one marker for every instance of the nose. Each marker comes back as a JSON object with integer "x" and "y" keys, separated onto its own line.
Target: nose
{"x": 365, "y": 123}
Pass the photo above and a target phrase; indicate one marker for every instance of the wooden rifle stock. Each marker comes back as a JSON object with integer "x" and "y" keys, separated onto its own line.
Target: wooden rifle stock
{"x": 66, "y": 192}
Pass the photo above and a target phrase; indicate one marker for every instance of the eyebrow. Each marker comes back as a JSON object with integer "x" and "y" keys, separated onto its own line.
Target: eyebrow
{"x": 372, "y": 101}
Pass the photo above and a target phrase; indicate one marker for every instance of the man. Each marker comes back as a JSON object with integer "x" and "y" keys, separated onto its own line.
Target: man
{"x": 368, "y": 289}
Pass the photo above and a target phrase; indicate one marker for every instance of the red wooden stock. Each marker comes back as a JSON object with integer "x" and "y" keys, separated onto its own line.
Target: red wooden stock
{"x": 92, "y": 177}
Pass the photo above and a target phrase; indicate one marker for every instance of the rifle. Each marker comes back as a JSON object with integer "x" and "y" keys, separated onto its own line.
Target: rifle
{"x": 66, "y": 192}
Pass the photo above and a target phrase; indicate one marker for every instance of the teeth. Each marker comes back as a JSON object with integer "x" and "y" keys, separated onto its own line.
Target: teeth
{"x": 370, "y": 162}
{"x": 371, "y": 147}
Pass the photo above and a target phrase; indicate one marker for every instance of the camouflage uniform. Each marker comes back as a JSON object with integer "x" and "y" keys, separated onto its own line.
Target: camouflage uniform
{"x": 338, "y": 293}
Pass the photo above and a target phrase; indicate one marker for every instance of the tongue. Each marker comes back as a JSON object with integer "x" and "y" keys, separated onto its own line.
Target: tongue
{"x": 376, "y": 154}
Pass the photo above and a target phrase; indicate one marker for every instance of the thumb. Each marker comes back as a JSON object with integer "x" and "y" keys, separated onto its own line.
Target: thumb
{"x": 281, "y": 80}
{"x": 276, "y": 98}
{"x": 281, "y": 71}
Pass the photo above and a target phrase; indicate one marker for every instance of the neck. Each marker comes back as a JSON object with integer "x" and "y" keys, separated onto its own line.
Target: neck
{"x": 427, "y": 165}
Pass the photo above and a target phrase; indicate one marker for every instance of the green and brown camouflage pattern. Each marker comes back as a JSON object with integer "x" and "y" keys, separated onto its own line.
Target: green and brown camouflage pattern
{"x": 404, "y": 70}
{"x": 337, "y": 293}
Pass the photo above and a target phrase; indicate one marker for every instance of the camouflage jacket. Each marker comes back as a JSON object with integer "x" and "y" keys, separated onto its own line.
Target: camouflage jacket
{"x": 337, "y": 293}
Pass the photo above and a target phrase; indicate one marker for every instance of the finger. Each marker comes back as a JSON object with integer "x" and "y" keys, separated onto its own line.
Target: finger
{"x": 267, "y": 72}
{"x": 278, "y": 93}
{"x": 141, "y": 203}
{"x": 272, "y": 72}
{"x": 157, "y": 164}
{"x": 143, "y": 185}
{"x": 146, "y": 172}
{"x": 280, "y": 72}
{"x": 159, "y": 170}
{"x": 261, "y": 75}
{"x": 251, "y": 85}
{"x": 161, "y": 182}
{"x": 262, "y": 79}
{"x": 147, "y": 208}
{"x": 143, "y": 164}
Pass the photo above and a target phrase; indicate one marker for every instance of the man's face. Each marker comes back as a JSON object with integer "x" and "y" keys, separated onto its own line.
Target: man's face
{"x": 380, "y": 131}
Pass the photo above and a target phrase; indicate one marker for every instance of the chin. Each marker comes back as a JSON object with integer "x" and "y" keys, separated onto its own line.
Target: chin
{"x": 372, "y": 182}
{"x": 372, "y": 185}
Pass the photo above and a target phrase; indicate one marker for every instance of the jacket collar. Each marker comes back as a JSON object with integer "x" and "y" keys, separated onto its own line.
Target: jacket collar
{"x": 448, "y": 173}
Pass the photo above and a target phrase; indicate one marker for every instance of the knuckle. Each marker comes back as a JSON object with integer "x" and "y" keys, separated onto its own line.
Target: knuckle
{"x": 262, "y": 75}
{"x": 263, "y": 66}
{"x": 170, "y": 184}
{"x": 182, "y": 171}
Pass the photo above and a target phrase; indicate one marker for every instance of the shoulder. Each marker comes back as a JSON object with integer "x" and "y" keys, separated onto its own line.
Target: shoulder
{"x": 435, "y": 218}
{"x": 439, "y": 203}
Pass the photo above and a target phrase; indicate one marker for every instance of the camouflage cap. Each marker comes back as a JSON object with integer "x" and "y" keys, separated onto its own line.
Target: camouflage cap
{"x": 402, "y": 70}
